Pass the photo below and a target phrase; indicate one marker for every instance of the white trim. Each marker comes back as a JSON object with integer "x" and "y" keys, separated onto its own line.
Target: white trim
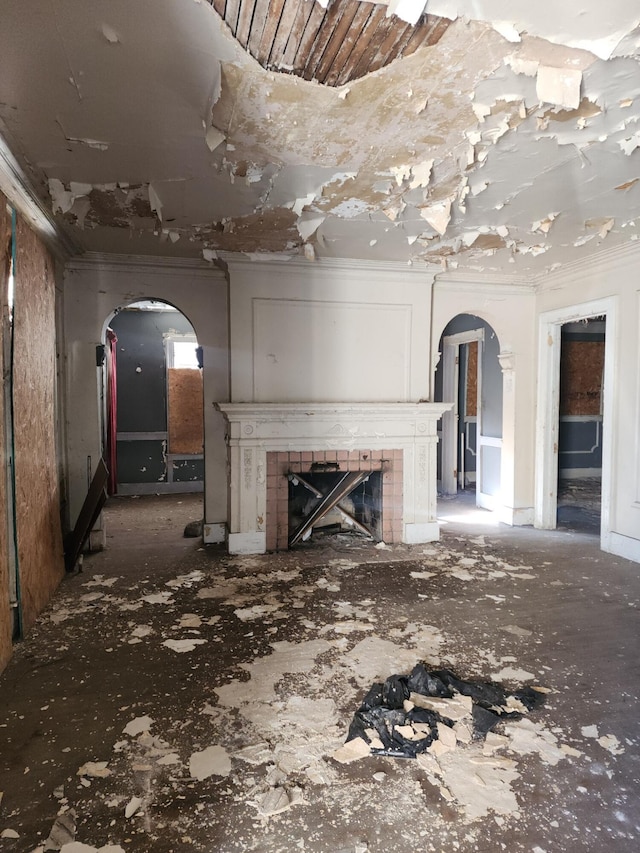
{"x": 488, "y": 441}
{"x": 613, "y": 259}
{"x": 515, "y": 516}
{"x": 416, "y": 534}
{"x": 494, "y": 283}
{"x": 214, "y": 534}
{"x": 255, "y": 429}
{"x": 548, "y": 409}
{"x": 253, "y": 542}
{"x": 464, "y": 337}
{"x": 361, "y": 268}
{"x": 137, "y": 264}
{"x": 622, "y": 546}
{"x": 16, "y": 187}
{"x": 450, "y": 419}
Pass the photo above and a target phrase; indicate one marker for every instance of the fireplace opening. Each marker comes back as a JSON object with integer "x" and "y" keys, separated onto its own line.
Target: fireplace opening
{"x": 332, "y": 501}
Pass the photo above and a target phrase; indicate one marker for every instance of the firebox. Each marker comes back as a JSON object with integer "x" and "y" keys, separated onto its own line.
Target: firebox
{"x": 334, "y": 501}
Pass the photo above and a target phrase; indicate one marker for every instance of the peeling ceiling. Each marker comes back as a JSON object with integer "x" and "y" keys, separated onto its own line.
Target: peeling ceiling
{"x": 507, "y": 141}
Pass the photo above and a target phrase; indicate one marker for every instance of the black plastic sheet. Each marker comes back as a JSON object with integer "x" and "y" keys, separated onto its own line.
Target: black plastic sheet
{"x": 383, "y": 709}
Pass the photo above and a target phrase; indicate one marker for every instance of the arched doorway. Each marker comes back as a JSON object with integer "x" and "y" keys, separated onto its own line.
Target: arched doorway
{"x": 152, "y": 401}
{"x": 469, "y": 375}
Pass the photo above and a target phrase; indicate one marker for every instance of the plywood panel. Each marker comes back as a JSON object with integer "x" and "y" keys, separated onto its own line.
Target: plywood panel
{"x": 581, "y": 367}
{"x": 471, "y": 409}
{"x": 37, "y": 491}
{"x": 5, "y": 612}
{"x": 186, "y": 411}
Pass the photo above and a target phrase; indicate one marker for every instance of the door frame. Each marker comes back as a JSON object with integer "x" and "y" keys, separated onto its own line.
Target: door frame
{"x": 450, "y": 381}
{"x": 548, "y": 410}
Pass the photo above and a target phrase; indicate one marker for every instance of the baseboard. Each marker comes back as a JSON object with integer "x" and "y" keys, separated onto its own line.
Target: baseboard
{"x": 214, "y": 534}
{"x": 622, "y": 546}
{"x": 416, "y": 534}
{"x": 254, "y": 542}
{"x": 515, "y": 516}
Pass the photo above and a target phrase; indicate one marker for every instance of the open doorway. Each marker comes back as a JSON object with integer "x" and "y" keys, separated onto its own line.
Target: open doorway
{"x": 153, "y": 411}
{"x": 580, "y": 424}
{"x": 469, "y": 375}
{"x": 591, "y": 381}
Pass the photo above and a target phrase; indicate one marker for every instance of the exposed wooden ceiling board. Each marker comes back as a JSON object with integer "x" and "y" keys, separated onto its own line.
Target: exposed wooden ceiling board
{"x": 268, "y": 32}
{"x": 372, "y": 48}
{"x": 428, "y": 31}
{"x": 357, "y": 29}
{"x": 287, "y": 19}
{"x": 333, "y": 46}
{"x": 301, "y": 21}
{"x": 245, "y": 19}
{"x": 377, "y": 14}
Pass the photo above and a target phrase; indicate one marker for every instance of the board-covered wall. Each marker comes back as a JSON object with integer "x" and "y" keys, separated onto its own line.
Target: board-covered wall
{"x": 29, "y": 381}
{"x": 6, "y": 617}
{"x": 35, "y": 412}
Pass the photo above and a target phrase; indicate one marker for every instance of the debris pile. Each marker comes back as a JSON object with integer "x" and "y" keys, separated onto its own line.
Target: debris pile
{"x": 430, "y": 710}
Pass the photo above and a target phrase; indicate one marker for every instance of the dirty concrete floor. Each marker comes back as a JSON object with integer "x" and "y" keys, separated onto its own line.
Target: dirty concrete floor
{"x": 283, "y": 649}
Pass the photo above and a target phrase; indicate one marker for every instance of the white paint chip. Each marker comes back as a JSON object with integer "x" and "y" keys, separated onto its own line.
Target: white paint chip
{"x": 110, "y": 34}
{"x": 154, "y": 201}
{"x": 308, "y": 223}
{"x": 507, "y": 31}
{"x": 559, "y": 86}
{"x": 132, "y": 807}
{"x": 589, "y": 731}
{"x": 94, "y": 769}
{"x": 182, "y": 646}
{"x": 509, "y": 673}
{"x": 353, "y": 750}
{"x": 212, "y": 761}
{"x": 438, "y": 216}
{"x": 138, "y": 725}
{"x": 213, "y": 138}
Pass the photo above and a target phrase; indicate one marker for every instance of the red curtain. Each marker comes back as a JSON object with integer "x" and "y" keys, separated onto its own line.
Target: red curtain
{"x": 112, "y": 411}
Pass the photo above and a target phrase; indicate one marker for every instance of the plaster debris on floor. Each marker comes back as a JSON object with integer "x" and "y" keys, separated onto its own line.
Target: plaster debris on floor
{"x": 229, "y": 724}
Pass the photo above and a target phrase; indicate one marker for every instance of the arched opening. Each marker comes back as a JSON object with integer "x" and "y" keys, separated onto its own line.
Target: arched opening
{"x": 469, "y": 375}
{"x": 152, "y": 402}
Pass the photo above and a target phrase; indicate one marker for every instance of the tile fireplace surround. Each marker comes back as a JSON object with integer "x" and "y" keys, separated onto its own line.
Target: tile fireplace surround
{"x": 267, "y": 440}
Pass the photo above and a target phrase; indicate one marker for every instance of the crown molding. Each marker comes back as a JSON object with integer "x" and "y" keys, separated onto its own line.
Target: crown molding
{"x": 462, "y": 280}
{"x": 614, "y": 258}
{"x": 349, "y": 265}
{"x": 158, "y": 264}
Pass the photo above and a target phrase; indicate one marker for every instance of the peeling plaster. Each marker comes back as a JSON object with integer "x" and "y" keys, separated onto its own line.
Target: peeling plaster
{"x": 461, "y": 149}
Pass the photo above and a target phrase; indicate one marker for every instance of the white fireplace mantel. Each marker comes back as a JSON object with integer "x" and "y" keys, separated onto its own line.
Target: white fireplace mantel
{"x": 257, "y": 428}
